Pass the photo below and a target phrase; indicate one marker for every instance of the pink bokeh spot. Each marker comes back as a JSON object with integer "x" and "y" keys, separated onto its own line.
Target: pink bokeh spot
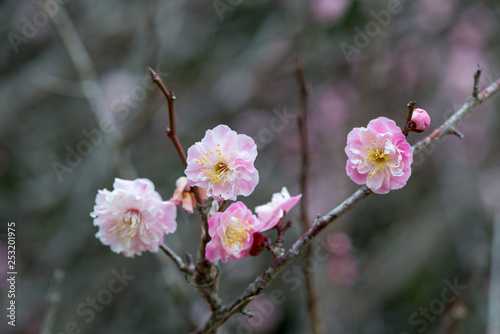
{"x": 343, "y": 269}
{"x": 329, "y": 10}
{"x": 271, "y": 213}
{"x": 421, "y": 119}
{"x": 232, "y": 233}
{"x": 133, "y": 217}
{"x": 379, "y": 156}
{"x": 223, "y": 162}
{"x": 339, "y": 243}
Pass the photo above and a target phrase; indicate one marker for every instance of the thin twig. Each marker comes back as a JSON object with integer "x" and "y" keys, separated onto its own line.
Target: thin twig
{"x": 475, "y": 89}
{"x": 54, "y": 299}
{"x": 304, "y": 142}
{"x": 313, "y": 305}
{"x": 256, "y": 287}
{"x": 282, "y": 228}
{"x": 276, "y": 248}
{"x": 449, "y": 125}
{"x": 409, "y": 125}
{"x": 205, "y": 273}
{"x": 171, "y": 131}
{"x": 185, "y": 268}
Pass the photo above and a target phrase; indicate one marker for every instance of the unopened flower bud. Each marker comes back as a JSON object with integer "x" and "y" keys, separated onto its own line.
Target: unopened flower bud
{"x": 421, "y": 119}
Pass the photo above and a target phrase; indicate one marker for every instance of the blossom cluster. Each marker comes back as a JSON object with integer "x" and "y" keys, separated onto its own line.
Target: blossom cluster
{"x": 133, "y": 217}
{"x": 233, "y": 230}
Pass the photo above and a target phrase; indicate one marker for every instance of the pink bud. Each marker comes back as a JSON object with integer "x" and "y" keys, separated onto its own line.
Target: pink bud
{"x": 421, "y": 119}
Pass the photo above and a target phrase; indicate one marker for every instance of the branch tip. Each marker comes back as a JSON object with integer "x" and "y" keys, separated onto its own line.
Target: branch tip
{"x": 457, "y": 133}
{"x": 154, "y": 76}
{"x": 475, "y": 88}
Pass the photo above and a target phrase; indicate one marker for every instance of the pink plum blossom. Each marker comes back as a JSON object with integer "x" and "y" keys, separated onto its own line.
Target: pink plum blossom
{"x": 232, "y": 233}
{"x": 184, "y": 196}
{"x": 223, "y": 163}
{"x": 133, "y": 217}
{"x": 271, "y": 213}
{"x": 421, "y": 119}
{"x": 379, "y": 156}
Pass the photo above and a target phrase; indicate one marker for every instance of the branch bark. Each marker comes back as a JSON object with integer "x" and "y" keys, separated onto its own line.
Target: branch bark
{"x": 185, "y": 268}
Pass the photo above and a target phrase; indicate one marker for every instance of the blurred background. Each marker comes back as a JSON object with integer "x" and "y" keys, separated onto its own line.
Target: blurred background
{"x": 78, "y": 109}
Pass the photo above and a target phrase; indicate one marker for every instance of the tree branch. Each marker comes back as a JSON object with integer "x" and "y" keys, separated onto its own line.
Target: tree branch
{"x": 185, "y": 268}
{"x": 313, "y": 305}
{"x": 448, "y": 127}
{"x": 256, "y": 287}
{"x": 171, "y": 132}
{"x": 205, "y": 273}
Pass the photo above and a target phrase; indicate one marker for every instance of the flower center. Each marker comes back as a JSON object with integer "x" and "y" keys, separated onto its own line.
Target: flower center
{"x": 221, "y": 167}
{"x": 131, "y": 220}
{"x": 379, "y": 156}
{"x": 378, "y": 159}
{"x": 236, "y": 233}
{"x": 220, "y": 171}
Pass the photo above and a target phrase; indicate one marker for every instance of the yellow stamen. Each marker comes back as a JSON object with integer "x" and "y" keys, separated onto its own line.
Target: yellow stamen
{"x": 236, "y": 233}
